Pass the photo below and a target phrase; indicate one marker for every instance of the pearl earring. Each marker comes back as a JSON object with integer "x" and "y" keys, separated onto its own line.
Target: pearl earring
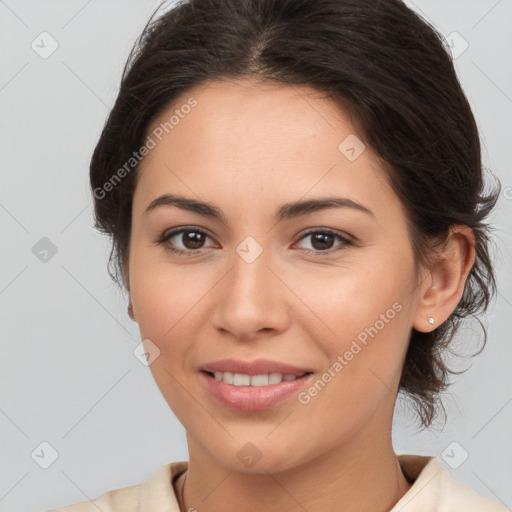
{"x": 430, "y": 320}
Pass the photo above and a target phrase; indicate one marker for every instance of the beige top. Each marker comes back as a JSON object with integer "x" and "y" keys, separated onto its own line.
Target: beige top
{"x": 433, "y": 490}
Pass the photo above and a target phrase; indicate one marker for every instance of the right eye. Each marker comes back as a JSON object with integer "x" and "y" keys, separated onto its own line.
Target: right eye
{"x": 192, "y": 240}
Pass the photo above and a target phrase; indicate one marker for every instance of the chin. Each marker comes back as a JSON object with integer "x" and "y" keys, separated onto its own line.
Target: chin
{"x": 257, "y": 454}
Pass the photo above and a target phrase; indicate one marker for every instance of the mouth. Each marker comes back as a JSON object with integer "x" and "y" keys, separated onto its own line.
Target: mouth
{"x": 264, "y": 379}
{"x": 253, "y": 393}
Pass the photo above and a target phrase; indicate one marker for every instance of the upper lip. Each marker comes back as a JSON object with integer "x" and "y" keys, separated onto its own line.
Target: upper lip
{"x": 255, "y": 367}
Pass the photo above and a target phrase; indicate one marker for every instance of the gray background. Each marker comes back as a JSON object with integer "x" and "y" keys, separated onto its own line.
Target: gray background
{"x": 68, "y": 375}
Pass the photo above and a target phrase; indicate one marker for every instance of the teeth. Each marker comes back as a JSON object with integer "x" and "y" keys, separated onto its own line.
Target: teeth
{"x": 242, "y": 379}
{"x": 239, "y": 379}
{"x": 259, "y": 380}
{"x": 275, "y": 378}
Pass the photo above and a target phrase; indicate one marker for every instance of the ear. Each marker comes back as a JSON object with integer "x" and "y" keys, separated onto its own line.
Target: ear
{"x": 126, "y": 281}
{"x": 130, "y": 311}
{"x": 442, "y": 289}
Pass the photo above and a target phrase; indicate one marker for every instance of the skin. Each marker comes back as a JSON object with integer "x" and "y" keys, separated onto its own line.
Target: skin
{"x": 249, "y": 148}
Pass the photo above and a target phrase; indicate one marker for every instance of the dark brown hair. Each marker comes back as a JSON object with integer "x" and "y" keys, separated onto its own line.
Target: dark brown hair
{"x": 383, "y": 64}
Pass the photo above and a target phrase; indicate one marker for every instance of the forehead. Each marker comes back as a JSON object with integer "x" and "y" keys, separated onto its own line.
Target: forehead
{"x": 244, "y": 140}
{"x": 259, "y": 109}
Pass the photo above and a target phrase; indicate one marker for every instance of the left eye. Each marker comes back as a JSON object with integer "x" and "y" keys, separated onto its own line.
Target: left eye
{"x": 322, "y": 240}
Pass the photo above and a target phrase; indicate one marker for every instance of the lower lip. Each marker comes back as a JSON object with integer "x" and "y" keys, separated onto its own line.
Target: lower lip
{"x": 253, "y": 398}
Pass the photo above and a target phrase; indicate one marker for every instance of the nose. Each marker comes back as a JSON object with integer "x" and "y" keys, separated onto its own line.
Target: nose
{"x": 251, "y": 300}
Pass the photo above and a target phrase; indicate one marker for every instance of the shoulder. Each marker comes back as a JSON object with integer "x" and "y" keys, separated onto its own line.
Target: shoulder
{"x": 457, "y": 496}
{"x": 126, "y": 499}
{"x": 434, "y": 490}
{"x": 155, "y": 493}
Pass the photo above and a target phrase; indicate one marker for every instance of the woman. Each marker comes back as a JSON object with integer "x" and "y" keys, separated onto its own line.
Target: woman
{"x": 295, "y": 196}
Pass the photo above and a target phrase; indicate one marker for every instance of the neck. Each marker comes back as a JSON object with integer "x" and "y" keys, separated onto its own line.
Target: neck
{"x": 354, "y": 477}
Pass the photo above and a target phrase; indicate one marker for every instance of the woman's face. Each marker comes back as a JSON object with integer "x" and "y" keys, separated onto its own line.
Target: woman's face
{"x": 261, "y": 278}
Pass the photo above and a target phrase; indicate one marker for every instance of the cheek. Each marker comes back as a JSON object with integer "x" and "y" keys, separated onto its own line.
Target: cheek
{"x": 367, "y": 310}
{"x": 163, "y": 302}
{"x": 161, "y": 294}
{"x": 169, "y": 303}
{"x": 348, "y": 299}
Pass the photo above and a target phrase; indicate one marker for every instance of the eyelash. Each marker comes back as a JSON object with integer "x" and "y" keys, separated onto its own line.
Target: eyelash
{"x": 164, "y": 238}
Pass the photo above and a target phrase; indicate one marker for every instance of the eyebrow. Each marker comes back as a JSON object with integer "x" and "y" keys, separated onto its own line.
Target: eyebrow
{"x": 286, "y": 211}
